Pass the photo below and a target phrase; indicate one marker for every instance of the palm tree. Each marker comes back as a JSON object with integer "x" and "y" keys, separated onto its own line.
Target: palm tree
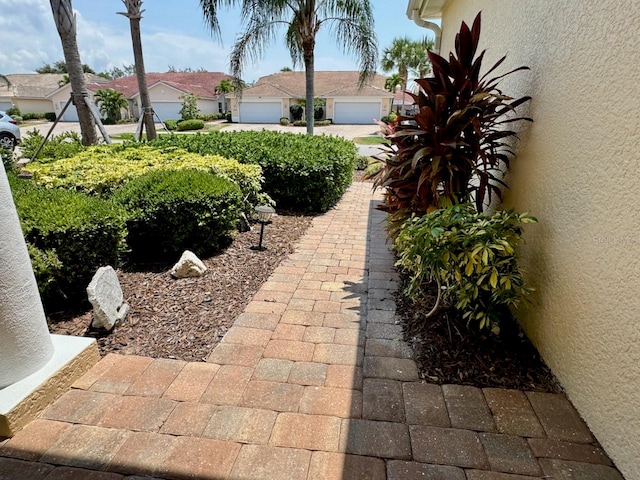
{"x": 421, "y": 63}
{"x": 111, "y": 102}
{"x": 225, "y": 86}
{"x": 134, "y": 14}
{"x": 391, "y": 82}
{"x": 66, "y": 24}
{"x": 404, "y": 55}
{"x": 398, "y": 57}
{"x": 350, "y": 20}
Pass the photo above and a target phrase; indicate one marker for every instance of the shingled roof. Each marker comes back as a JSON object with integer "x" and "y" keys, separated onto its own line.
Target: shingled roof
{"x": 38, "y": 85}
{"x": 327, "y": 84}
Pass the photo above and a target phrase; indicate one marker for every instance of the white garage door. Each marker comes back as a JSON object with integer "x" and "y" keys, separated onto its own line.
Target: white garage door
{"x": 356, "y": 112}
{"x": 167, "y": 110}
{"x": 71, "y": 115}
{"x": 260, "y": 112}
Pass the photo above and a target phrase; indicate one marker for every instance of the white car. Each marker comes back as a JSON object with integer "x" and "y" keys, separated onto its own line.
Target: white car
{"x": 9, "y": 132}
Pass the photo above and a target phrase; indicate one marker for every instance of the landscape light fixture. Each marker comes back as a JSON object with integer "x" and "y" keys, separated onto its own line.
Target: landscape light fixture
{"x": 264, "y": 214}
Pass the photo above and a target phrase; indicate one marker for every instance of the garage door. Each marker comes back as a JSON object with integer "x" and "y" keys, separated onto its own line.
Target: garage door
{"x": 260, "y": 112}
{"x": 167, "y": 110}
{"x": 356, "y": 112}
{"x": 71, "y": 115}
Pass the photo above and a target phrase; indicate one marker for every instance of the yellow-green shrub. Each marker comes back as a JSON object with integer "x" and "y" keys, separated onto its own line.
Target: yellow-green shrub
{"x": 101, "y": 170}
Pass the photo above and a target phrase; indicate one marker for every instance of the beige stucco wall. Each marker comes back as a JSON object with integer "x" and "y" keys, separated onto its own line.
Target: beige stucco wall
{"x": 577, "y": 171}
{"x": 33, "y": 105}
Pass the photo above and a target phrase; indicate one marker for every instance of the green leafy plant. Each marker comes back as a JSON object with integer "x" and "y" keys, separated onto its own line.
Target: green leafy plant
{"x": 111, "y": 102}
{"x": 296, "y": 112}
{"x": 471, "y": 257}
{"x": 189, "y": 109}
{"x": 193, "y": 124}
{"x": 362, "y": 162}
{"x": 51, "y": 116}
{"x": 284, "y": 121}
{"x": 65, "y": 145}
{"x": 170, "y": 211}
{"x": 458, "y": 133}
{"x": 13, "y": 112}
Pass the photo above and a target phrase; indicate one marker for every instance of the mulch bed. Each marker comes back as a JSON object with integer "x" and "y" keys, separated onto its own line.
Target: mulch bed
{"x": 186, "y": 318}
{"x": 447, "y": 352}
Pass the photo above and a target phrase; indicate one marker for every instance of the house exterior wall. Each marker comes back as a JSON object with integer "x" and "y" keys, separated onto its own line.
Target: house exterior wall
{"x": 577, "y": 170}
{"x": 33, "y": 105}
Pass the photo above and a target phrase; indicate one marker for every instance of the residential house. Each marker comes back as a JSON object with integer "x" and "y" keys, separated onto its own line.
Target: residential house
{"x": 165, "y": 90}
{"x": 28, "y": 91}
{"x": 345, "y": 102}
{"x": 577, "y": 171}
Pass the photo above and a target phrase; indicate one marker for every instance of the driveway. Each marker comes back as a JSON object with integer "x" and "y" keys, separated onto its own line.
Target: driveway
{"x": 347, "y": 131}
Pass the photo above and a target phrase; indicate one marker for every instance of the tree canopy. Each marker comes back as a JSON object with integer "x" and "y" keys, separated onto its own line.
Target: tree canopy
{"x": 350, "y": 21}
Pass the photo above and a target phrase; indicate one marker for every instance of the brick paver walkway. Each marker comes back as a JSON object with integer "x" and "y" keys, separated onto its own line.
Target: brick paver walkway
{"x": 312, "y": 382}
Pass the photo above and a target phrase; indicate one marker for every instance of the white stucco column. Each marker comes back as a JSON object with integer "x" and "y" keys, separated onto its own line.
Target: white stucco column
{"x": 25, "y": 342}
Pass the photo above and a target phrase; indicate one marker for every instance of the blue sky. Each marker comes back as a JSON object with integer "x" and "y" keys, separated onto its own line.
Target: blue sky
{"x": 173, "y": 33}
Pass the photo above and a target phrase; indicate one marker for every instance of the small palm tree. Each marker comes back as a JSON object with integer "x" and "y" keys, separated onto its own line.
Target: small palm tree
{"x": 225, "y": 86}
{"x": 134, "y": 14}
{"x": 404, "y": 55}
{"x": 392, "y": 82}
{"x": 350, "y": 20}
{"x": 111, "y": 102}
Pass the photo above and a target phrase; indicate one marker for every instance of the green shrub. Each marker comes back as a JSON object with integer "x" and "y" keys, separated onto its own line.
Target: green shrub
{"x": 390, "y": 118}
{"x": 17, "y": 118}
{"x": 302, "y": 172}
{"x": 362, "y": 162}
{"x": 170, "y": 211}
{"x": 209, "y": 117}
{"x": 296, "y": 112}
{"x": 70, "y": 235}
{"x": 101, "y": 170}
{"x": 65, "y": 145}
{"x": 51, "y": 116}
{"x": 471, "y": 257}
{"x": 171, "y": 125}
{"x": 32, "y": 116}
{"x": 317, "y": 123}
{"x": 284, "y": 121}
{"x": 227, "y": 116}
{"x": 318, "y": 112}
{"x": 193, "y": 124}
{"x": 13, "y": 112}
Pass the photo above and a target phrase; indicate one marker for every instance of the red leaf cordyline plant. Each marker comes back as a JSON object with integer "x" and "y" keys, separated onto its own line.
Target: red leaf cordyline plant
{"x": 457, "y": 133}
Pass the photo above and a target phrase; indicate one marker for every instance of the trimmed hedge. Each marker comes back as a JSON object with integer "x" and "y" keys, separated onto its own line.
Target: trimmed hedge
{"x": 191, "y": 124}
{"x": 170, "y": 211}
{"x": 302, "y": 172}
{"x": 70, "y": 235}
{"x": 101, "y": 170}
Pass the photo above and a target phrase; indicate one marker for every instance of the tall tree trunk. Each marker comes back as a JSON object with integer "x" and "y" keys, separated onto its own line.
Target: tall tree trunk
{"x": 66, "y": 25}
{"x": 145, "y": 101}
{"x": 309, "y": 71}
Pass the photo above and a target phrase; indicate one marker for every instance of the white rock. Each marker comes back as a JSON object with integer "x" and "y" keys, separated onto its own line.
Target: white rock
{"x": 188, "y": 266}
{"x": 105, "y": 295}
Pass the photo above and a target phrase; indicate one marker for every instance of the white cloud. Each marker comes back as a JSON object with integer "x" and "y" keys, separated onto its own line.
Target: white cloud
{"x": 30, "y": 39}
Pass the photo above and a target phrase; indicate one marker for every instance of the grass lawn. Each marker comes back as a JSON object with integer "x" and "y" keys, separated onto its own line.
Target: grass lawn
{"x": 372, "y": 140}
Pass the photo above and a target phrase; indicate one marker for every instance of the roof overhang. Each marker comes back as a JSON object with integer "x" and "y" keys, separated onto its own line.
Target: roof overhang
{"x": 425, "y": 9}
